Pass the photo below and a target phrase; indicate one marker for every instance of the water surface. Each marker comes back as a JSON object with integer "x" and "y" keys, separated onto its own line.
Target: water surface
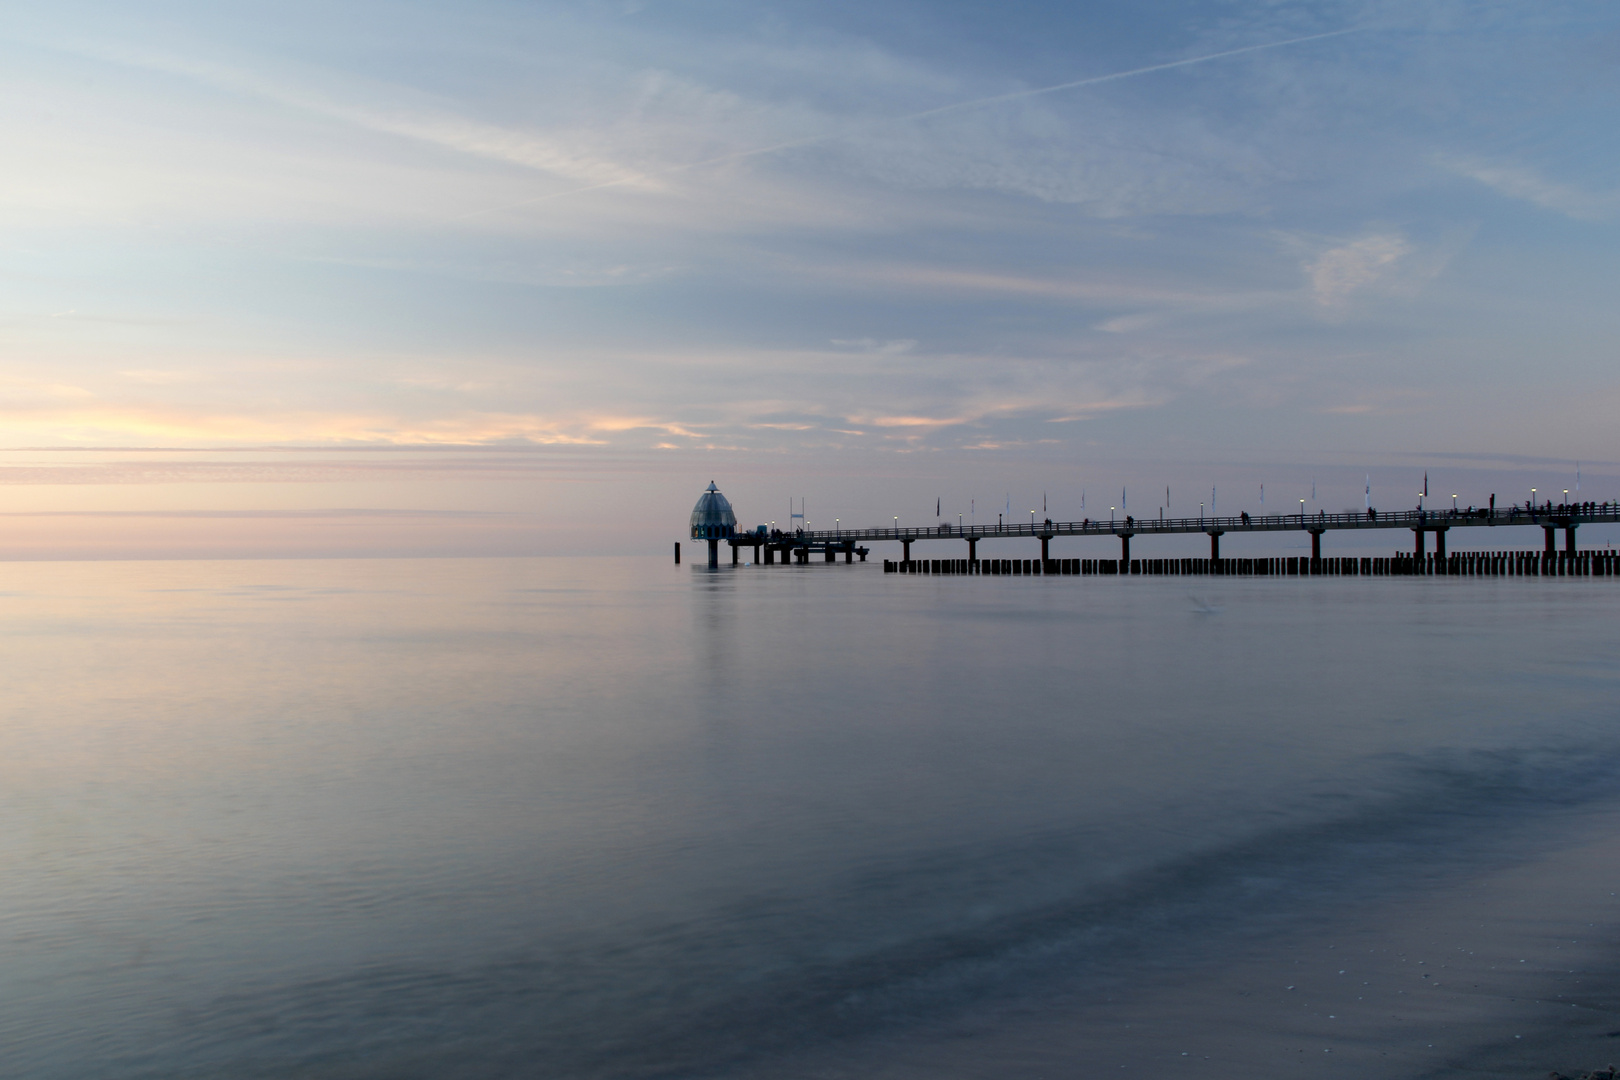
{"x": 614, "y": 818}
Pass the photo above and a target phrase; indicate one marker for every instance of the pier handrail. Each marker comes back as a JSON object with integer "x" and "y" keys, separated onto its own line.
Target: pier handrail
{"x": 1426, "y": 520}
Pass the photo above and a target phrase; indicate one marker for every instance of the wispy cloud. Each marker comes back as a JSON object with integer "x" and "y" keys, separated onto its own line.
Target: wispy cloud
{"x": 569, "y": 158}
{"x": 1340, "y": 272}
{"x": 1523, "y": 182}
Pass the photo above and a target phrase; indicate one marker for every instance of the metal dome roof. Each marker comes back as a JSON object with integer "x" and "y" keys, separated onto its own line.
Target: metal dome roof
{"x": 713, "y": 512}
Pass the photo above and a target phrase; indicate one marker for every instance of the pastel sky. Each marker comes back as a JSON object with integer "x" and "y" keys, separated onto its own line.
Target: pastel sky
{"x": 316, "y": 278}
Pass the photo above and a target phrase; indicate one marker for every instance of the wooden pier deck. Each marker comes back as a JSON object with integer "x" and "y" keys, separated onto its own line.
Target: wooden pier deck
{"x": 802, "y": 545}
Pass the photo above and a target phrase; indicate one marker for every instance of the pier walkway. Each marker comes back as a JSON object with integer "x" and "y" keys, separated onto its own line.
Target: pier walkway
{"x": 1421, "y": 523}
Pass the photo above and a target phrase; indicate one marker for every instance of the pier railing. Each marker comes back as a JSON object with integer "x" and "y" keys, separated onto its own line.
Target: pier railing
{"x": 1562, "y": 517}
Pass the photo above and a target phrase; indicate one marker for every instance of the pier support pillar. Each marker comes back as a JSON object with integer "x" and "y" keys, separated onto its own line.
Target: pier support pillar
{"x": 770, "y": 555}
{"x": 1046, "y": 555}
{"x": 1316, "y": 545}
{"x": 849, "y": 555}
{"x": 1552, "y": 538}
{"x": 1125, "y": 550}
{"x": 973, "y": 549}
{"x": 1418, "y": 547}
{"x": 733, "y": 554}
{"x": 677, "y": 553}
{"x": 905, "y": 551}
{"x": 714, "y": 554}
{"x": 1440, "y": 543}
{"x": 1569, "y": 538}
{"x": 1215, "y": 542}
{"x": 832, "y": 556}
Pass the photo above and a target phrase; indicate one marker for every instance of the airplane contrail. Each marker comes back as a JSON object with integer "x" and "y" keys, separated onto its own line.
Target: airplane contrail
{"x": 959, "y": 106}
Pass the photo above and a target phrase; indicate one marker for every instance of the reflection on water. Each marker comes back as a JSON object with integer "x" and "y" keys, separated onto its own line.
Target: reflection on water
{"x": 425, "y": 818}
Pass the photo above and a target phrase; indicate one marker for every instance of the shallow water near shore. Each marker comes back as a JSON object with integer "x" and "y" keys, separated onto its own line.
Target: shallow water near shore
{"x": 616, "y": 818}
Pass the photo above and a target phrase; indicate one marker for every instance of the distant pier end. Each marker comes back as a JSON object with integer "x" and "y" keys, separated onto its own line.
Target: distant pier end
{"x": 714, "y": 522}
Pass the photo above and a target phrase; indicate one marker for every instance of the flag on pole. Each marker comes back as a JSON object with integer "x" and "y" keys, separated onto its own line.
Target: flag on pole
{"x": 1123, "y": 505}
{"x": 1212, "y": 499}
{"x": 1043, "y": 500}
{"x": 1262, "y": 494}
{"x": 1577, "y": 476}
{"x": 1425, "y": 483}
{"x": 1313, "y": 489}
{"x": 1167, "y": 496}
{"x": 1369, "y": 492}
{"x": 937, "y": 499}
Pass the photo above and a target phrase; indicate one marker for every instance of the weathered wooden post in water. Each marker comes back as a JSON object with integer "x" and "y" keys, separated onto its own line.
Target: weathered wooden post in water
{"x": 712, "y": 520}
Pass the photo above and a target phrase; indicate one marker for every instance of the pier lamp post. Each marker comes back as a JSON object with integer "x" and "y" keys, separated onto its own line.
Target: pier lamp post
{"x": 1302, "y": 511}
{"x": 1110, "y": 515}
{"x": 897, "y": 524}
{"x": 1532, "y": 498}
{"x": 1032, "y": 521}
{"x": 1200, "y": 513}
{"x": 1566, "y": 496}
{"x": 1453, "y": 502}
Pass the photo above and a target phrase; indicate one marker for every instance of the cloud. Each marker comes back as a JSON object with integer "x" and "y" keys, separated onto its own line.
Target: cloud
{"x": 564, "y": 157}
{"x": 1339, "y": 272}
{"x": 874, "y": 347}
{"x": 1522, "y": 182}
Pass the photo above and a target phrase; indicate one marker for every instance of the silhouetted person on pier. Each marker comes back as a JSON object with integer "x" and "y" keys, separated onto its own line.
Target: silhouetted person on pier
{"x": 1372, "y": 514}
{"x": 1244, "y": 517}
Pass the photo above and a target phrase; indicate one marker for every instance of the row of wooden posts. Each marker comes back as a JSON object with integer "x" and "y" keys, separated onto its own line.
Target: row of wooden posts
{"x": 1457, "y": 564}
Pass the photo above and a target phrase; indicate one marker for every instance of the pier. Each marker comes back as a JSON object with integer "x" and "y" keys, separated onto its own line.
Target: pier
{"x": 714, "y": 521}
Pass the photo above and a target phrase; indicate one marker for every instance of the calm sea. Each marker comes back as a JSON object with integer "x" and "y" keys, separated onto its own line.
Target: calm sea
{"x": 616, "y": 818}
